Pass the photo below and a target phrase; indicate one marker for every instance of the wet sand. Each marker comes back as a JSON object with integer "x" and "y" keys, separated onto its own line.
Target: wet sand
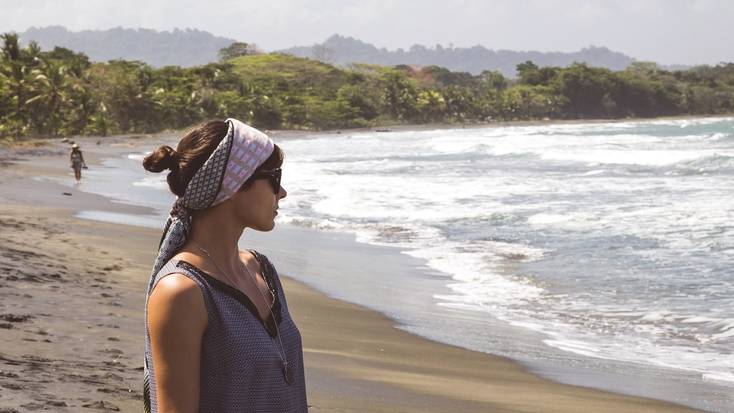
{"x": 71, "y": 321}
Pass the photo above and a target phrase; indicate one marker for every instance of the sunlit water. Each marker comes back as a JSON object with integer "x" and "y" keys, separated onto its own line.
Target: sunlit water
{"x": 616, "y": 240}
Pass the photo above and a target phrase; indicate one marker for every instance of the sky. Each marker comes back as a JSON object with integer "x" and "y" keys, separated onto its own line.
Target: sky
{"x": 665, "y": 31}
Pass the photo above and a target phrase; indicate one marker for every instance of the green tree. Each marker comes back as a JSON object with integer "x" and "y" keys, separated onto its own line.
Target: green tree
{"x": 530, "y": 74}
{"x": 492, "y": 80}
{"x": 265, "y": 112}
{"x": 15, "y": 72}
{"x": 123, "y": 92}
{"x": 399, "y": 96}
{"x": 49, "y": 95}
{"x": 531, "y": 102}
{"x": 584, "y": 88}
{"x": 362, "y": 98}
{"x": 430, "y": 106}
{"x": 444, "y": 77}
{"x": 462, "y": 103}
{"x": 70, "y": 83}
{"x": 237, "y": 49}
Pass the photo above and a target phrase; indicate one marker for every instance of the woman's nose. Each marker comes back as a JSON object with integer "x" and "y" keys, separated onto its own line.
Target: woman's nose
{"x": 282, "y": 193}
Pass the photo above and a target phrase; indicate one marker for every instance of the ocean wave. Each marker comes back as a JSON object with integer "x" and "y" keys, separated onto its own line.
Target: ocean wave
{"x": 720, "y": 136}
{"x": 543, "y": 219}
{"x": 482, "y": 219}
{"x": 719, "y": 376}
{"x": 685, "y": 123}
{"x": 403, "y": 235}
{"x": 621, "y": 157}
{"x": 707, "y": 365}
{"x": 475, "y": 271}
{"x": 313, "y": 223}
{"x": 713, "y": 163}
{"x": 652, "y": 341}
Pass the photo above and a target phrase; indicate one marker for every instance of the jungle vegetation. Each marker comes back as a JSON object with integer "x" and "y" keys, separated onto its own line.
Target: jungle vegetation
{"x": 61, "y": 92}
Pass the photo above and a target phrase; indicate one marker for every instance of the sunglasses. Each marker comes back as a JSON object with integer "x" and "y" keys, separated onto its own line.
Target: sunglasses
{"x": 272, "y": 176}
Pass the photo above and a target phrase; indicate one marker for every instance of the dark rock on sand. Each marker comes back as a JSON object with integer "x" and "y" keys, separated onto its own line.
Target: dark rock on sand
{"x": 102, "y": 405}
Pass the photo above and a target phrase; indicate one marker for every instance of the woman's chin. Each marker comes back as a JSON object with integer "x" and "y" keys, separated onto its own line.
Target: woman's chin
{"x": 265, "y": 227}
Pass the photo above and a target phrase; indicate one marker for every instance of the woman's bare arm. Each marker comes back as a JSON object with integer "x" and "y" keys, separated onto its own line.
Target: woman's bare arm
{"x": 177, "y": 318}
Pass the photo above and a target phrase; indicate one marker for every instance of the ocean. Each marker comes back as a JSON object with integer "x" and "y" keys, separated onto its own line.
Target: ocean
{"x": 604, "y": 247}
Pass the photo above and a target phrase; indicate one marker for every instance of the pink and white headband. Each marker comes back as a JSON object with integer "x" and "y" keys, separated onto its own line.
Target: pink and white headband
{"x": 235, "y": 159}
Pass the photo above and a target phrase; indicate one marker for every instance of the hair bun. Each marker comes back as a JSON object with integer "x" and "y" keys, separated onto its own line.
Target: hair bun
{"x": 161, "y": 159}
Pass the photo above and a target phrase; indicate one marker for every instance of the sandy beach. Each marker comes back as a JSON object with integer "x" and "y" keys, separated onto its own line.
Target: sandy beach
{"x": 71, "y": 320}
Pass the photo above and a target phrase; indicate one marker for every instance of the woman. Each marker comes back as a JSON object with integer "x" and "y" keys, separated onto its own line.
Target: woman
{"x": 219, "y": 337}
{"x": 77, "y": 161}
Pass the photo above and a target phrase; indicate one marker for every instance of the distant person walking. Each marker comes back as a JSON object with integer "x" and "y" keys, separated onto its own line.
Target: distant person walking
{"x": 77, "y": 161}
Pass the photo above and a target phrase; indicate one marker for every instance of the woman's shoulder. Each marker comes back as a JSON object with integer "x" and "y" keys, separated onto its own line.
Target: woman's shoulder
{"x": 176, "y": 306}
{"x": 177, "y": 278}
{"x": 178, "y": 296}
{"x": 176, "y": 286}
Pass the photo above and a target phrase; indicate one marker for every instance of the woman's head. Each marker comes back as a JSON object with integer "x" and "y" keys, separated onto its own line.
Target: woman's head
{"x": 191, "y": 153}
{"x": 210, "y": 171}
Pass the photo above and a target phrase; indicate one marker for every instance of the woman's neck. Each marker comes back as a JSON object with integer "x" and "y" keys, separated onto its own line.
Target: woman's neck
{"x": 218, "y": 237}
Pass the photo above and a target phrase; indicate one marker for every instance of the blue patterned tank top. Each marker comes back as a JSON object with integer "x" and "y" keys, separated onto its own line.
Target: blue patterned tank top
{"x": 241, "y": 366}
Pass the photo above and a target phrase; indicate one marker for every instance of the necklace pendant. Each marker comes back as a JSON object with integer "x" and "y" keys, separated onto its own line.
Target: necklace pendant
{"x": 288, "y": 374}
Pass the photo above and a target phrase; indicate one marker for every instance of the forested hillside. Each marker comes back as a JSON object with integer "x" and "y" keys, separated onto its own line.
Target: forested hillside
{"x": 187, "y": 48}
{"x": 345, "y": 50}
{"x": 61, "y": 92}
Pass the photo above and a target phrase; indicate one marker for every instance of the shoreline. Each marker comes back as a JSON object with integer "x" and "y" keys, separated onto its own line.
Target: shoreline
{"x": 367, "y": 361}
{"x": 26, "y": 141}
{"x": 356, "y": 360}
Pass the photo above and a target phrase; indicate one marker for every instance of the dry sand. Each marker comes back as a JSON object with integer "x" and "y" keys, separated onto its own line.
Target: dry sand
{"x": 71, "y": 322}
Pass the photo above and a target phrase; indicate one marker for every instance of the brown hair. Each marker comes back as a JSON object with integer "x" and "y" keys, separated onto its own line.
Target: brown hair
{"x": 191, "y": 153}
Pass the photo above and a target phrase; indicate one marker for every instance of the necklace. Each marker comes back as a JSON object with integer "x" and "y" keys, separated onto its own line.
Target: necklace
{"x": 287, "y": 372}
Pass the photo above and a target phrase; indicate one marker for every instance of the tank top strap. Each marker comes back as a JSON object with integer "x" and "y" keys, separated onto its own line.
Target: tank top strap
{"x": 190, "y": 272}
{"x": 273, "y": 280}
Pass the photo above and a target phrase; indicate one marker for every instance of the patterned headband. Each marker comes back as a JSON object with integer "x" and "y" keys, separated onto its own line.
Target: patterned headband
{"x": 224, "y": 172}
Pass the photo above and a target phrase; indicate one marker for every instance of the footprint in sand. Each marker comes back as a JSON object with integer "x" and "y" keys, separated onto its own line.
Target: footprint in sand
{"x": 16, "y": 318}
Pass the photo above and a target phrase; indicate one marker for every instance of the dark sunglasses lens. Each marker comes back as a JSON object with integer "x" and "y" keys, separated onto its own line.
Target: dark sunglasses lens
{"x": 275, "y": 180}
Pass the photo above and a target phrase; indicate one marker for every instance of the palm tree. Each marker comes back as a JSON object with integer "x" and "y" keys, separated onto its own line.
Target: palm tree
{"x": 48, "y": 87}
{"x": 14, "y": 71}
